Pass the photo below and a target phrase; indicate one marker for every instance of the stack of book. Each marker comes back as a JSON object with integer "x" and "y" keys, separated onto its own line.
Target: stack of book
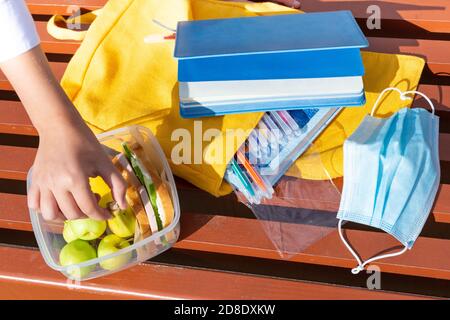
{"x": 266, "y": 63}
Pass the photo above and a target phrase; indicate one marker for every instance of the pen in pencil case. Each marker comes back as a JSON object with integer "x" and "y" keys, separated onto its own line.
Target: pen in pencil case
{"x": 242, "y": 177}
{"x": 267, "y": 133}
{"x": 233, "y": 179}
{"x": 263, "y": 185}
{"x": 275, "y": 130}
{"x": 290, "y": 121}
{"x": 262, "y": 142}
{"x": 252, "y": 148}
{"x": 264, "y": 153}
{"x": 280, "y": 123}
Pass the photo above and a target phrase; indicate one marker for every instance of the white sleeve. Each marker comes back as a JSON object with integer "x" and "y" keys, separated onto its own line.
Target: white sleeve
{"x": 17, "y": 30}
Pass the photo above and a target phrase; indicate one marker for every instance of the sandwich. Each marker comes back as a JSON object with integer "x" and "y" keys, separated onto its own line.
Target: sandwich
{"x": 147, "y": 194}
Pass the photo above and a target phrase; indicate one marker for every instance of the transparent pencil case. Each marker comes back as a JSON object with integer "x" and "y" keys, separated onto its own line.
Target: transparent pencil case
{"x": 294, "y": 211}
{"x": 119, "y": 245}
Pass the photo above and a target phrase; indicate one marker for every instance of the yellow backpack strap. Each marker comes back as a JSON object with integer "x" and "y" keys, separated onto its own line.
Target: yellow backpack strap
{"x": 61, "y": 33}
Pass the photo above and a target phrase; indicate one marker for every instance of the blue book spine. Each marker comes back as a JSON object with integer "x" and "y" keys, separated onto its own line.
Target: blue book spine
{"x": 281, "y": 65}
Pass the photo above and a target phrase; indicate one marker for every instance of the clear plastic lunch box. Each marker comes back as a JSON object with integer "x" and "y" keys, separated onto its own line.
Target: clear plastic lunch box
{"x": 49, "y": 233}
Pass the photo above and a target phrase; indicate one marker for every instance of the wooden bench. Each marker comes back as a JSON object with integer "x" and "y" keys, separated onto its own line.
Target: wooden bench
{"x": 223, "y": 251}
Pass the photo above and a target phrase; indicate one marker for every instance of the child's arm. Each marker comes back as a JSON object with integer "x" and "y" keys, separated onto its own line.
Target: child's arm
{"x": 68, "y": 151}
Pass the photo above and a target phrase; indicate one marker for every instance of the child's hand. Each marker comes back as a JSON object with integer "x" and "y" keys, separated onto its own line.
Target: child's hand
{"x": 66, "y": 158}
{"x": 68, "y": 151}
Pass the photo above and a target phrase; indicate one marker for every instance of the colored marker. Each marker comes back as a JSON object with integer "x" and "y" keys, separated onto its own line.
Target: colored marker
{"x": 242, "y": 177}
{"x": 290, "y": 121}
{"x": 252, "y": 147}
{"x": 268, "y": 134}
{"x": 273, "y": 127}
{"x": 263, "y": 143}
{"x": 237, "y": 184}
{"x": 251, "y": 171}
{"x": 280, "y": 123}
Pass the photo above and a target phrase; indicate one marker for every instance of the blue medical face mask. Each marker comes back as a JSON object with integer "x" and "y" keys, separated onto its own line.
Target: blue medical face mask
{"x": 391, "y": 174}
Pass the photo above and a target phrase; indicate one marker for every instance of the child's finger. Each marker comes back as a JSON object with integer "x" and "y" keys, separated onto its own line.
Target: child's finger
{"x": 48, "y": 206}
{"x": 117, "y": 183}
{"x": 68, "y": 205}
{"x": 88, "y": 203}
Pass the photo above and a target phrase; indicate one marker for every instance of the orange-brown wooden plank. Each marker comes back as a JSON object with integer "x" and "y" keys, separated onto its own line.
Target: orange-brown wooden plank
{"x": 429, "y": 257}
{"x": 229, "y": 235}
{"x": 440, "y": 95}
{"x": 14, "y": 119}
{"x": 63, "y": 7}
{"x": 153, "y": 281}
{"x": 14, "y": 212}
{"x": 435, "y": 53}
{"x": 430, "y": 15}
{"x": 17, "y": 163}
{"x": 51, "y": 45}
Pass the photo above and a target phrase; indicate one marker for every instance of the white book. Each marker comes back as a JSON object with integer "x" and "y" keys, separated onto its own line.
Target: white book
{"x": 280, "y": 89}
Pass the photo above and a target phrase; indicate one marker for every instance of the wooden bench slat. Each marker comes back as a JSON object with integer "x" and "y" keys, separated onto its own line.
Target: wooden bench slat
{"x": 62, "y": 6}
{"x": 238, "y": 236}
{"x": 17, "y": 163}
{"x": 52, "y": 45}
{"x": 434, "y": 52}
{"x": 14, "y": 119}
{"x": 440, "y": 95}
{"x": 431, "y": 15}
{"x": 153, "y": 281}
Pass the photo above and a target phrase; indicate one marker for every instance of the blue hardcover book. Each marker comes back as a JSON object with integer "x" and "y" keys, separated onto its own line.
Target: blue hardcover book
{"x": 213, "y": 98}
{"x": 291, "y": 46}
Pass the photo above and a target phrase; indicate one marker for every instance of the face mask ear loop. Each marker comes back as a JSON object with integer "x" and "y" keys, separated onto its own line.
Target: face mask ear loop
{"x": 350, "y": 249}
{"x": 402, "y": 96}
{"x": 361, "y": 265}
{"x": 423, "y": 96}
{"x": 383, "y": 256}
